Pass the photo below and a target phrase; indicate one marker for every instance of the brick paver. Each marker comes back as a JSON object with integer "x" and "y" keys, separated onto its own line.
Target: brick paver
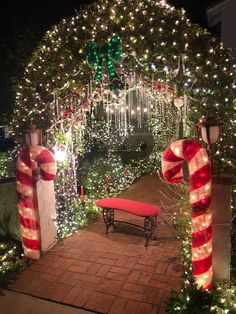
{"x": 112, "y": 274}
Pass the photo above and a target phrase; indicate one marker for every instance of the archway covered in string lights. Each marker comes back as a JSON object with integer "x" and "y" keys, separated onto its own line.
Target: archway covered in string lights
{"x": 135, "y": 64}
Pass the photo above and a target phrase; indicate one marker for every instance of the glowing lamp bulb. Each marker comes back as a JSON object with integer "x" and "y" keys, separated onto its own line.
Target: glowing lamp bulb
{"x": 60, "y": 155}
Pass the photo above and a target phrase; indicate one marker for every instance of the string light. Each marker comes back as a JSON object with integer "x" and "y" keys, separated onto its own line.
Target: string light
{"x": 155, "y": 25}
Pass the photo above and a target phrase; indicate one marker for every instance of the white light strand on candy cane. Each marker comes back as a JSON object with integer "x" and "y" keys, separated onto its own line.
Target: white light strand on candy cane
{"x": 200, "y": 198}
{"x": 30, "y": 160}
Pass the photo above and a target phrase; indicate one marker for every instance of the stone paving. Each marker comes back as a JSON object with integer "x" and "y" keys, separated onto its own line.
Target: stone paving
{"x": 110, "y": 274}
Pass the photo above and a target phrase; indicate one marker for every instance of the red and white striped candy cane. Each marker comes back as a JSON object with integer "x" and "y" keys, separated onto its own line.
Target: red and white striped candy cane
{"x": 200, "y": 198}
{"x": 32, "y": 158}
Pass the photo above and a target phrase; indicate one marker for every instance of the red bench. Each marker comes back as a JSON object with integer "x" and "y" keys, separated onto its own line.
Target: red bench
{"x": 148, "y": 211}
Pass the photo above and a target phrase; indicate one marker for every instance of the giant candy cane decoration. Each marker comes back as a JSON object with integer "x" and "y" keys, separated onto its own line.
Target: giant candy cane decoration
{"x": 31, "y": 158}
{"x": 200, "y": 197}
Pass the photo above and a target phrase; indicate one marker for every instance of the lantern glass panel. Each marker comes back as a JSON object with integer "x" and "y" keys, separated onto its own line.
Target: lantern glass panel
{"x": 214, "y": 132}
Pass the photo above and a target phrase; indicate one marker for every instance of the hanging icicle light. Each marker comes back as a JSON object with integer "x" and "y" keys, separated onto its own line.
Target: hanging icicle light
{"x": 135, "y": 102}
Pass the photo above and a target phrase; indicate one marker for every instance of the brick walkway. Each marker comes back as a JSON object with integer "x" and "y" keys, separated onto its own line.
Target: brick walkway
{"x": 110, "y": 274}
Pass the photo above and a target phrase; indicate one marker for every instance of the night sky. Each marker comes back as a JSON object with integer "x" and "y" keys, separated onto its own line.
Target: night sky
{"x": 23, "y": 23}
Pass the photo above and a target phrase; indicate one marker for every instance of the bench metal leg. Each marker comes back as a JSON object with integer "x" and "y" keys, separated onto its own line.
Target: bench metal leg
{"x": 150, "y": 226}
{"x": 108, "y": 216}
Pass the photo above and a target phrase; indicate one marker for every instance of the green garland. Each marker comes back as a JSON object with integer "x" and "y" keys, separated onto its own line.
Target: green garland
{"x": 11, "y": 260}
{"x": 7, "y": 169}
{"x": 192, "y": 300}
{"x": 159, "y": 43}
{"x": 156, "y": 41}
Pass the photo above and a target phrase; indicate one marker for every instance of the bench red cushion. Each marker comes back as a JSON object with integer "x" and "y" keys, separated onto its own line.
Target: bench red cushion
{"x": 133, "y": 207}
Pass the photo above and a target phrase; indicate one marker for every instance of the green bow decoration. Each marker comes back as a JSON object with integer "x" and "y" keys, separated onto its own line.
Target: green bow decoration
{"x": 111, "y": 52}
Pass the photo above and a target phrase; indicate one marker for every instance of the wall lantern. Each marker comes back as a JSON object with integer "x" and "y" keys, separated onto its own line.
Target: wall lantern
{"x": 208, "y": 128}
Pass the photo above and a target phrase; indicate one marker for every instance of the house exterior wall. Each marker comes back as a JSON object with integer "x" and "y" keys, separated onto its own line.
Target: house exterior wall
{"x": 228, "y": 30}
{"x": 224, "y": 12}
